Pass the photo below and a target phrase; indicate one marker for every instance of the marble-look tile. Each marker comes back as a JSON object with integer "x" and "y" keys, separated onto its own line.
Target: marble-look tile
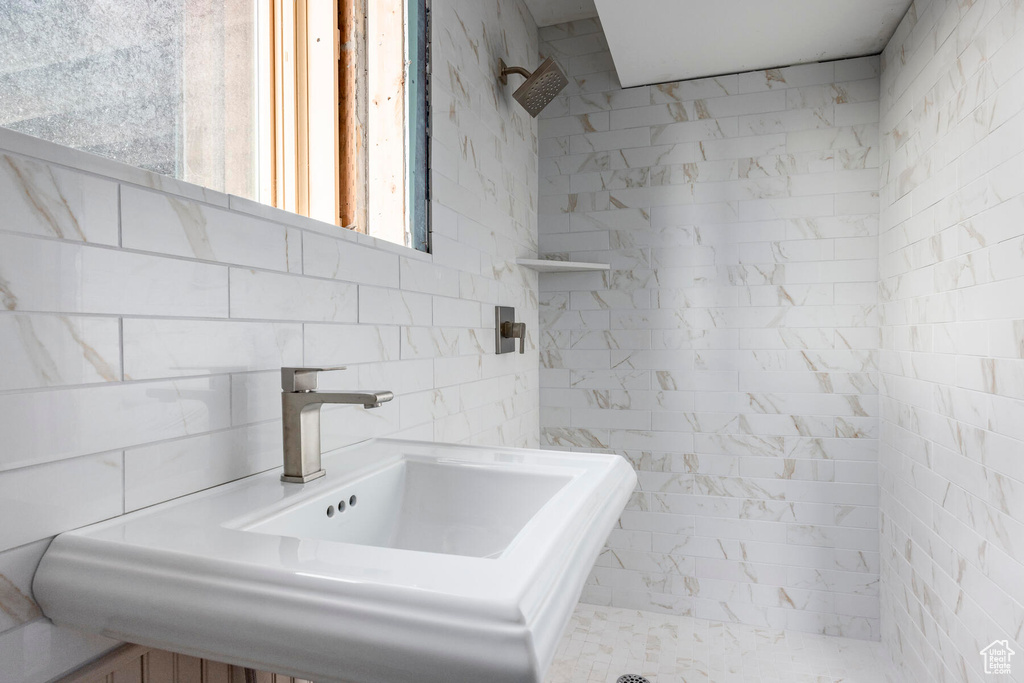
{"x": 52, "y": 425}
{"x": 257, "y": 294}
{"x": 405, "y": 377}
{"x": 619, "y": 139}
{"x": 46, "y": 275}
{"x": 156, "y": 222}
{"x": 333, "y": 345}
{"x": 379, "y": 306}
{"x": 717, "y": 335}
{"x": 54, "y": 497}
{"x": 250, "y": 207}
{"x": 159, "y": 472}
{"x": 341, "y": 260}
{"x": 951, "y": 275}
{"x": 256, "y": 396}
{"x": 429, "y": 278}
{"x": 17, "y": 567}
{"x": 450, "y": 312}
{"x": 173, "y": 348}
{"x": 427, "y": 406}
{"x": 41, "y": 199}
{"x": 344, "y": 425}
{"x": 430, "y": 342}
{"x": 45, "y": 351}
{"x": 39, "y": 651}
{"x": 43, "y": 150}
{"x": 787, "y": 77}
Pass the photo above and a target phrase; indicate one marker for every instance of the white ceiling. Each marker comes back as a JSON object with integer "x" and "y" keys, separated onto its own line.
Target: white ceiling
{"x": 548, "y": 12}
{"x": 654, "y": 41}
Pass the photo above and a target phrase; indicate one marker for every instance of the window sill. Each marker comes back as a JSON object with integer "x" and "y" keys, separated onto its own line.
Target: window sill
{"x": 78, "y": 160}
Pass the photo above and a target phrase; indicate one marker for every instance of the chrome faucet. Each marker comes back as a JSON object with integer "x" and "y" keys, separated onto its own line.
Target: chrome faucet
{"x": 300, "y": 413}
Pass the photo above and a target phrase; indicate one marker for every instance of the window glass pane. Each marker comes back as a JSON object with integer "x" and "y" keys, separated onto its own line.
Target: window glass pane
{"x": 165, "y": 85}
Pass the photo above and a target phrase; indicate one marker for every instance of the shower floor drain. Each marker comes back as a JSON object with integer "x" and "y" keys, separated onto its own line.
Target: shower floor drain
{"x": 632, "y": 678}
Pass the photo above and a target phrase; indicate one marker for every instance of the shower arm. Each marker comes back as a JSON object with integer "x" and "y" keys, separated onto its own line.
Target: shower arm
{"x": 506, "y": 70}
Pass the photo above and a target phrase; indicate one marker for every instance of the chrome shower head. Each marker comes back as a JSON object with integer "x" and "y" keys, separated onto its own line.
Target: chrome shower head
{"x": 540, "y": 87}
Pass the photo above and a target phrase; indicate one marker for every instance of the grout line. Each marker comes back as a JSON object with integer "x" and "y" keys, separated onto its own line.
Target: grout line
{"x": 120, "y": 345}
{"x": 193, "y": 318}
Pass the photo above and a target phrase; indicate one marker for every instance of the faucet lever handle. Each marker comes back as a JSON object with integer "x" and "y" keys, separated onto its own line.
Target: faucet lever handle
{"x": 513, "y": 330}
{"x": 302, "y": 379}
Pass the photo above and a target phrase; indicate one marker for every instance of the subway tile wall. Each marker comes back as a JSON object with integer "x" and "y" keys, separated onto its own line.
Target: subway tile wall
{"x": 143, "y": 321}
{"x": 952, "y": 308}
{"x": 731, "y": 353}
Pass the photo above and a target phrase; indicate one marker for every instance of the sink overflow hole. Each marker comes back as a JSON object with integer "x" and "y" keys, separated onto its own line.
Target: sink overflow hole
{"x": 341, "y": 506}
{"x": 330, "y": 510}
{"x": 352, "y": 501}
{"x": 632, "y": 678}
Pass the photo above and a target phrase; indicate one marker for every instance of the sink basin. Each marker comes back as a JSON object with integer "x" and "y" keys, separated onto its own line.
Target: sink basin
{"x": 407, "y": 562}
{"x": 425, "y": 505}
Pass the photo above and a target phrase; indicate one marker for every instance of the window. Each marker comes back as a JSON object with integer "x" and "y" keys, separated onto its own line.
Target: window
{"x": 314, "y": 106}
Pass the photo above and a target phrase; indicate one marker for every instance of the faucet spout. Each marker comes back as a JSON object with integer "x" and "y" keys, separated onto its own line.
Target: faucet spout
{"x": 367, "y": 399}
{"x": 300, "y": 417}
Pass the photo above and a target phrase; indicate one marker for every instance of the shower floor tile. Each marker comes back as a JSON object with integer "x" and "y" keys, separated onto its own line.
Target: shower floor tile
{"x": 603, "y": 643}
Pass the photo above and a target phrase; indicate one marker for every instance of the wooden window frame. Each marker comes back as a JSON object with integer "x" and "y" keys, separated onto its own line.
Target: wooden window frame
{"x": 352, "y": 112}
{"x": 139, "y": 664}
{"x": 336, "y": 89}
{"x": 300, "y": 100}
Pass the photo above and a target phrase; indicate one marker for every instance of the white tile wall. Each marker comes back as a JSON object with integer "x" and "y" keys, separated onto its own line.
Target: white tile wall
{"x": 143, "y": 321}
{"x": 952, "y": 472}
{"x": 731, "y": 352}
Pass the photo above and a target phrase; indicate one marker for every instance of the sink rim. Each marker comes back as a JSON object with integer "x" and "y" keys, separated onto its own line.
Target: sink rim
{"x": 507, "y": 577}
{"x": 510, "y": 609}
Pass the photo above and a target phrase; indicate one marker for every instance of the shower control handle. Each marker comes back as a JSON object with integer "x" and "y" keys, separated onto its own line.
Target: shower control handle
{"x": 507, "y": 330}
{"x": 511, "y": 330}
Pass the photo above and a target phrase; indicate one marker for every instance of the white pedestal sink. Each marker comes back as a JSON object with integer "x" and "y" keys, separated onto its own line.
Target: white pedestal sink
{"x": 408, "y": 562}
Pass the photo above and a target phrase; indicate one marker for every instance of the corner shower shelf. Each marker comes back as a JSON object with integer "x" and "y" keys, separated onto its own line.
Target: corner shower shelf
{"x": 549, "y": 266}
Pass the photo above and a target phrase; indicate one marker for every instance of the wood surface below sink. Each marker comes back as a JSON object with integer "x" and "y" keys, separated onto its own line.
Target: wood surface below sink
{"x": 138, "y": 664}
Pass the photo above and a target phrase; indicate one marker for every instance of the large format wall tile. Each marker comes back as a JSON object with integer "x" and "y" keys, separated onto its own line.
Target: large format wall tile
{"x": 275, "y": 296}
{"x": 159, "y": 472}
{"x": 17, "y": 567}
{"x": 37, "y": 502}
{"x": 40, "y": 199}
{"x": 173, "y": 348}
{"x": 60, "y": 277}
{"x": 731, "y": 351}
{"x": 45, "y": 426}
{"x": 52, "y": 350}
{"x": 40, "y": 651}
{"x": 342, "y": 260}
{"x": 952, "y": 389}
{"x": 157, "y": 222}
